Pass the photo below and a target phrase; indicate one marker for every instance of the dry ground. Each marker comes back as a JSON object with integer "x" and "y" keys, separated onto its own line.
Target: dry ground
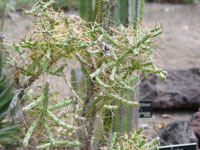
{"x": 179, "y": 47}
{"x": 180, "y": 43}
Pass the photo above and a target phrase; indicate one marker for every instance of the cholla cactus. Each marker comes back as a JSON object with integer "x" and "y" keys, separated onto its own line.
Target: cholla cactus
{"x": 131, "y": 141}
{"x": 114, "y": 59}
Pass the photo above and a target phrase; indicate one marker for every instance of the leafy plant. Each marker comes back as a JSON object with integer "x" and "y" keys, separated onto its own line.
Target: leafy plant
{"x": 8, "y": 131}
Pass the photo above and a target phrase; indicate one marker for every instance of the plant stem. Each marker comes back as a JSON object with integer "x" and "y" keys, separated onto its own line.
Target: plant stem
{"x": 3, "y": 15}
{"x": 73, "y": 91}
{"x": 31, "y": 129}
{"x": 90, "y": 119}
{"x": 1, "y": 50}
{"x": 58, "y": 143}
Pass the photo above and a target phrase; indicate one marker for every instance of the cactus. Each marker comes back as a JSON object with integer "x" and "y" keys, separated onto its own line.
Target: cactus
{"x": 74, "y": 82}
{"x": 80, "y": 81}
{"x": 86, "y": 9}
{"x": 3, "y": 15}
{"x": 133, "y": 140}
{"x": 45, "y": 113}
{"x": 118, "y": 12}
{"x": 111, "y": 72}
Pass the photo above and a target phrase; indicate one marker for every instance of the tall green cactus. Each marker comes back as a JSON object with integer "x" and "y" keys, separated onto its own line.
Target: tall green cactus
{"x": 86, "y": 9}
{"x": 121, "y": 11}
{"x": 129, "y": 12}
{"x": 3, "y": 15}
{"x": 80, "y": 81}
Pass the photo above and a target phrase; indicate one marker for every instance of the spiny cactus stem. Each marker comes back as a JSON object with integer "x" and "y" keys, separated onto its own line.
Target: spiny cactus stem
{"x": 73, "y": 91}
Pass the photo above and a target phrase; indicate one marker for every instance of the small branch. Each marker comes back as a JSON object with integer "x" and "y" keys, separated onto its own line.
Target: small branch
{"x": 35, "y": 103}
{"x": 31, "y": 129}
{"x": 58, "y": 121}
{"x": 49, "y": 133}
{"x": 61, "y": 104}
{"x": 90, "y": 118}
{"x": 39, "y": 73}
{"x": 59, "y": 143}
{"x": 83, "y": 60}
{"x": 122, "y": 100}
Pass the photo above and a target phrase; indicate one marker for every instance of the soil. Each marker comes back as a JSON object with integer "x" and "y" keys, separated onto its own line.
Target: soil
{"x": 177, "y": 48}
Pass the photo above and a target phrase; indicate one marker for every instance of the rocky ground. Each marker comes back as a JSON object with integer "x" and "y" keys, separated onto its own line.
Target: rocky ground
{"x": 178, "y": 48}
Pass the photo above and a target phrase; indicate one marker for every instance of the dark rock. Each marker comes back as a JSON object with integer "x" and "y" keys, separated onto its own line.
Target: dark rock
{"x": 180, "y": 90}
{"x": 179, "y": 132}
{"x": 195, "y": 124}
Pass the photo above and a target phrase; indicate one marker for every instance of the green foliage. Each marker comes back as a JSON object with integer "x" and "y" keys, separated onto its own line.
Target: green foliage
{"x": 6, "y": 97}
{"x": 8, "y": 131}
